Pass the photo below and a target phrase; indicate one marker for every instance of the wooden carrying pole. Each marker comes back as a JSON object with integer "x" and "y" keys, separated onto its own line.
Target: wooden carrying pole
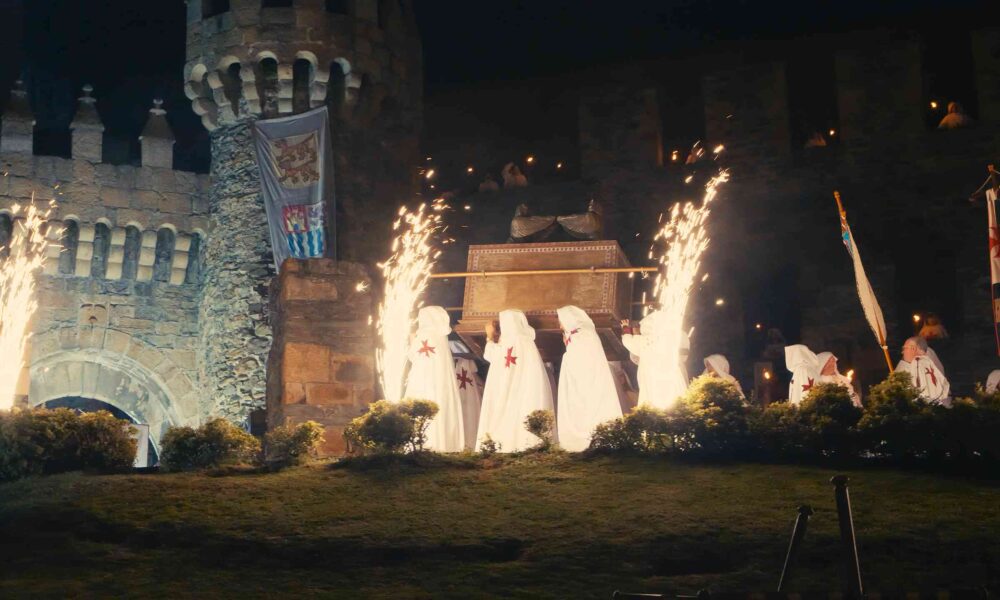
{"x": 594, "y": 270}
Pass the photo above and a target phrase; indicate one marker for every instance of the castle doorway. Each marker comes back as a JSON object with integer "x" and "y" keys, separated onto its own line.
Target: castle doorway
{"x": 83, "y": 405}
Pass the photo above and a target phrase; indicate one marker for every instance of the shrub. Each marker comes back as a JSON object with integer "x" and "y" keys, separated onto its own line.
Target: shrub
{"x": 216, "y": 443}
{"x": 893, "y": 423}
{"x": 777, "y": 431}
{"x": 643, "y": 430}
{"x": 828, "y": 416}
{"x": 42, "y": 441}
{"x": 540, "y": 424}
{"x": 488, "y": 447}
{"x": 711, "y": 419}
{"x": 292, "y": 444}
{"x": 391, "y": 427}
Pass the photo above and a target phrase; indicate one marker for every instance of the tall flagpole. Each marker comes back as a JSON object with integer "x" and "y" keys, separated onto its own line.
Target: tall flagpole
{"x": 991, "y": 210}
{"x": 852, "y": 250}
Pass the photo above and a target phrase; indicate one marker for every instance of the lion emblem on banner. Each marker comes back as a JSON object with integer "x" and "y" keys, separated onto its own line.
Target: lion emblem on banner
{"x": 297, "y": 160}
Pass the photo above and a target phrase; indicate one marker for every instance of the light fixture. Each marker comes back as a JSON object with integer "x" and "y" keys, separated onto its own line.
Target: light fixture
{"x": 720, "y": 301}
{"x": 530, "y": 159}
{"x": 916, "y": 318}
{"x": 429, "y": 174}
{"x": 934, "y": 104}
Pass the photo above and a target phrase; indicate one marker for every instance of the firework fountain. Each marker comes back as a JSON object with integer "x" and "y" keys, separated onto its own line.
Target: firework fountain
{"x": 18, "y": 269}
{"x": 684, "y": 239}
{"x": 406, "y": 274}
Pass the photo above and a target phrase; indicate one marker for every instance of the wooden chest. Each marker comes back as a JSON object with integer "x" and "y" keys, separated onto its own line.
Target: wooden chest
{"x": 607, "y": 297}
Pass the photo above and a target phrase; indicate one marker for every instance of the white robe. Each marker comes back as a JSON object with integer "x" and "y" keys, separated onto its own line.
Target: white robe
{"x": 432, "y": 377}
{"x": 660, "y": 383}
{"x": 720, "y": 365}
{"x": 821, "y": 359}
{"x": 927, "y": 378}
{"x": 470, "y": 391}
{"x": 516, "y": 385}
{"x": 803, "y": 364}
{"x": 993, "y": 381}
{"x": 587, "y": 393}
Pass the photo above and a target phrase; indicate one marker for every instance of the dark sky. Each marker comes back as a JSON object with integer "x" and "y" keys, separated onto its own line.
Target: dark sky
{"x": 133, "y": 50}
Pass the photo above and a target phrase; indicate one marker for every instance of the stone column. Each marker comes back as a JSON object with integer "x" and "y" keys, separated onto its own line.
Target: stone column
{"x": 237, "y": 268}
{"x": 321, "y": 366}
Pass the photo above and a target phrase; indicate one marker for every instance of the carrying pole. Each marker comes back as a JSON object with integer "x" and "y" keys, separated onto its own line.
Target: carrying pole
{"x": 593, "y": 270}
{"x": 852, "y": 567}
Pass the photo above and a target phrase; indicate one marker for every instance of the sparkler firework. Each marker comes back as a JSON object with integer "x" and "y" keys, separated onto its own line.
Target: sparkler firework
{"x": 17, "y": 286}
{"x": 406, "y": 273}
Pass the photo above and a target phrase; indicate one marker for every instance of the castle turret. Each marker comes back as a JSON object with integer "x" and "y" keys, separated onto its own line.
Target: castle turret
{"x": 247, "y": 61}
{"x": 18, "y": 134}
{"x": 87, "y": 128}
{"x": 157, "y": 139}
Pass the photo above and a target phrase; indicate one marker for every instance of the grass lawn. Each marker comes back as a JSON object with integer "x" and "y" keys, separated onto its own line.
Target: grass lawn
{"x": 538, "y": 526}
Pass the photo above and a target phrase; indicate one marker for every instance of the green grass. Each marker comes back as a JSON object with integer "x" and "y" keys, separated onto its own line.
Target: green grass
{"x": 538, "y": 526}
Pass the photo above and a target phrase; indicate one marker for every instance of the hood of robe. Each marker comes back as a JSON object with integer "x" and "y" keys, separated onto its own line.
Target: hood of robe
{"x": 718, "y": 363}
{"x": 573, "y": 317}
{"x": 993, "y": 381}
{"x": 433, "y": 321}
{"x": 821, "y": 360}
{"x": 800, "y": 356}
{"x": 514, "y": 325}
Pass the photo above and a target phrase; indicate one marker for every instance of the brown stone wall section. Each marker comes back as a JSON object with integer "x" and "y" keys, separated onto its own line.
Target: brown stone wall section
{"x": 322, "y": 361}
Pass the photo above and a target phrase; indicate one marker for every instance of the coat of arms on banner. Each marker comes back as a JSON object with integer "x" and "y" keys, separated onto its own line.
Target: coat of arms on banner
{"x": 304, "y": 230}
{"x": 296, "y": 160}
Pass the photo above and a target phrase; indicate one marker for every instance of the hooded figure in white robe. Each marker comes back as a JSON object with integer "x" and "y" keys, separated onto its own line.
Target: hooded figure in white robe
{"x": 432, "y": 377}
{"x": 587, "y": 393}
{"x": 470, "y": 392}
{"x": 993, "y": 381}
{"x": 804, "y": 365}
{"x": 716, "y": 365}
{"x": 926, "y": 375}
{"x": 516, "y": 385}
{"x": 661, "y": 380}
{"x": 829, "y": 373}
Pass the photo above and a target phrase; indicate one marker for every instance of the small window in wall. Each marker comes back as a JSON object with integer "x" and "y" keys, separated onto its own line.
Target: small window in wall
{"x": 69, "y": 241}
{"x": 338, "y": 7}
{"x": 193, "y": 273}
{"x": 211, "y": 8}
{"x": 102, "y": 246}
{"x": 164, "y": 255}
{"x": 950, "y": 97}
{"x": 133, "y": 241}
{"x": 6, "y": 231}
{"x": 275, "y": 3}
{"x": 232, "y": 85}
{"x": 267, "y": 86}
{"x": 301, "y": 81}
{"x": 812, "y": 100}
{"x": 336, "y": 91}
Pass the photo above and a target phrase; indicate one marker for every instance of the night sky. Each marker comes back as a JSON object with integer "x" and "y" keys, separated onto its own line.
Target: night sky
{"x": 133, "y": 50}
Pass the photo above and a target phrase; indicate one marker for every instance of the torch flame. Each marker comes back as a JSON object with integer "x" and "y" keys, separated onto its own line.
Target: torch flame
{"x": 406, "y": 274}
{"x": 17, "y": 286}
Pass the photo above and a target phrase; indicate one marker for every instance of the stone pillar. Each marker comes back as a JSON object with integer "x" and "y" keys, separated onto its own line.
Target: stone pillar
{"x": 157, "y": 140}
{"x": 322, "y": 363}
{"x": 238, "y": 266}
{"x": 88, "y": 130}
{"x": 18, "y": 133}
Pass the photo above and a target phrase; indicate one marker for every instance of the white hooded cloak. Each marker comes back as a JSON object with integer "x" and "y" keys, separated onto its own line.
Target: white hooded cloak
{"x": 821, "y": 359}
{"x": 720, "y": 365}
{"x": 804, "y": 365}
{"x": 993, "y": 381}
{"x": 470, "y": 391}
{"x": 516, "y": 385}
{"x": 927, "y": 378}
{"x": 432, "y": 377}
{"x": 661, "y": 381}
{"x": 587, "y": 393}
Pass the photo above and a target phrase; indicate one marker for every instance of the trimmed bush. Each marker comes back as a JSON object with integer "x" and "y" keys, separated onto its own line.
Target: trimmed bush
{"x": 778, "y": 432}
{"x": 216, "y": 443}
{"x": 711, "y": 419}
{"x": 642, "y": 430}
{"x": 893, "y": 424}
{"x": 391, "y": 427}
{"x": 541, "y": 423}
{"x": 827, "y": 417}
{"x": 42, "y": 441}
{"x": 292, "y": 444}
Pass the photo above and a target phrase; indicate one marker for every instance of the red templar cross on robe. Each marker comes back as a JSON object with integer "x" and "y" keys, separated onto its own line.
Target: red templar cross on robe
{"x": 930, "y": 373}
{"x": 994, "y": 242}
{"x": 569, "y": 336}
{"x": 510, "y": 358}
{"x": 426, "y": 350}
{"x": 807, "y": 386}
{"x": 463, "y": 379}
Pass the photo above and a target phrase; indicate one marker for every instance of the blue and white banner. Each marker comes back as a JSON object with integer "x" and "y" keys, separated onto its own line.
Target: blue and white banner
{"x": 296, "y": 179}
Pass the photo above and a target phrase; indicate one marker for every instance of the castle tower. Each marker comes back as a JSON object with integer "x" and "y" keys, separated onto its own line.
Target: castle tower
{"x": 254, "y": 59}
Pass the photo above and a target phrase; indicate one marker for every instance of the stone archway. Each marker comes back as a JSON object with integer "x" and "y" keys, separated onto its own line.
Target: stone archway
{"x": 112, "y": 367}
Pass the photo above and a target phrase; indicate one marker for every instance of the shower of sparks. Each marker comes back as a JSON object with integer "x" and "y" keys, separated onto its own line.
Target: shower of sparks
{"x": 26, "y": 255}
{"x": 406, "y": 274}
{"x": 683, "y": 239}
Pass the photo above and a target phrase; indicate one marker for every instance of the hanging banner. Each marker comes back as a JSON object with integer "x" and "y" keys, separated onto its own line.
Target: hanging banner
{"x": 296, "y": 179}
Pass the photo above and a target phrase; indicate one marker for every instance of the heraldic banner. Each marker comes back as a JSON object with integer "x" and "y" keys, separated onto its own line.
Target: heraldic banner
{"x": 296, "y": 180}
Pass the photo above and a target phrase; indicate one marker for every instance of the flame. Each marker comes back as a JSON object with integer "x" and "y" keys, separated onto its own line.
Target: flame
{"x": 17, "y": 286}
{"x": 850, "y": 375}
{"x": 684, "y": 239}
{"x": 767, "y": 375}
{"x": 406, "y": 274}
